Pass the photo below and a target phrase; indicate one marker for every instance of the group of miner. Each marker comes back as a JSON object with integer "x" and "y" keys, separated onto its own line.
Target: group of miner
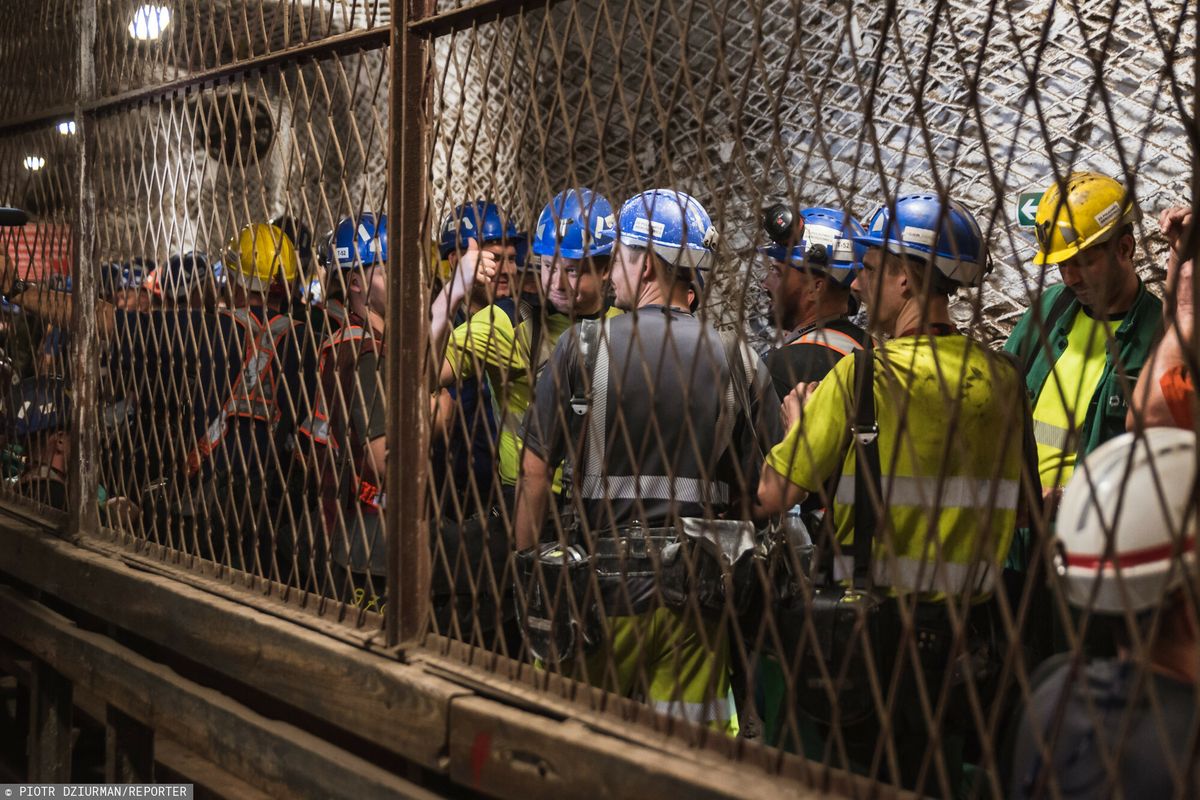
{"x": 844, "y": 543}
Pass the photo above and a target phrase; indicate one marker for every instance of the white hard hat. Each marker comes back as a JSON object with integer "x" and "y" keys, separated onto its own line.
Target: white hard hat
{"x": 1126, "y": 529}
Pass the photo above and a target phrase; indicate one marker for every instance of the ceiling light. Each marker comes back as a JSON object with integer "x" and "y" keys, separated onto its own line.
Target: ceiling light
{"x": 67, "y": 128}
{"x": 149, "y": 22}
{"x": 34, "y": 163}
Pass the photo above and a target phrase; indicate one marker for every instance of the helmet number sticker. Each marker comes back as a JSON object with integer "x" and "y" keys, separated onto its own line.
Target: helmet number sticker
{"x": 1107, "y": 216}
{"x": 648, "y": 226}
{"x": 921, "y": 236}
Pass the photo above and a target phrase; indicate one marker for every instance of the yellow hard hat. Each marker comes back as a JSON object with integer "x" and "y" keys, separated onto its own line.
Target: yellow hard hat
{"x": 261, "y": 254}
{"x": 1095, "y": 208}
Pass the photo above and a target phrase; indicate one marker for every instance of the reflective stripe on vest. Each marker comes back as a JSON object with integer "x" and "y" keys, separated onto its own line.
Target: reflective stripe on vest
{"x": 654, "y": 487}
{"x": 1050, "y": 435}
{"x": 836, "y": 341}
{"x": 253, "y": 394}
{"x": 594, "y": 484}
{"x": 336, "y": 311}
{"x": 316, "y": 425}
{"x": 938, "y": 570}
{"x": 940, "y": 492}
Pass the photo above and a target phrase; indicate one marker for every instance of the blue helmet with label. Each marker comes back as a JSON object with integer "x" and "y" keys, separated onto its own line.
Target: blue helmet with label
{"x": 135, "y": 271}
{"x": 37, "y": 405}
{"x": 362, "y": 241}
{"x": 827, "y": 244}
{"x": 672, "y": 224}
{"x": 180, "y": 276}
{"x": 578, "y": 223}
{"x": 218, "y": 273}
{"x": 941, "y": 232}
{"x": 482, "y": 221}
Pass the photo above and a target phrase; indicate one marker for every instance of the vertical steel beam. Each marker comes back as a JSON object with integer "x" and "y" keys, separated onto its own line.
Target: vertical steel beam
{"x": 82, "y": 470}
{"x": 128, "y": 749}
{"x": 407, "y": 330}
{"x": 50, "y": 705}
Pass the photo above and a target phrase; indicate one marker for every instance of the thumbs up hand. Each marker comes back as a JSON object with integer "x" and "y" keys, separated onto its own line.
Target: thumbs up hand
{"x": 477, "y": 267}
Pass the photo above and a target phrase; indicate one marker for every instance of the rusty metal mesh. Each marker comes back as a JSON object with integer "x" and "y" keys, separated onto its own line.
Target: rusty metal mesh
{"x": 300, "y": 147}
{"x": 36, "y": 367}
{"x": 138, "y": 45}
{"x": 643, "y": 585}
{"x": 741, "y": 105}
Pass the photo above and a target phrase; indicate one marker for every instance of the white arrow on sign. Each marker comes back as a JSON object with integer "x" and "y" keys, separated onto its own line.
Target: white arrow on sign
{"x": 1030, "y": 208}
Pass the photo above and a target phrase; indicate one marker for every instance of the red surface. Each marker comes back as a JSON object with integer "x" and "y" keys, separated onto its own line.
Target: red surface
{"x": 1130, "y": 558}
{"x": 40, "y": 249}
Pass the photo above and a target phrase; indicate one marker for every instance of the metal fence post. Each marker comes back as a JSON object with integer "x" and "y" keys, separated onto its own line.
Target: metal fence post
{"x": 408, "y": 331}
{"x": 82, "y": 474}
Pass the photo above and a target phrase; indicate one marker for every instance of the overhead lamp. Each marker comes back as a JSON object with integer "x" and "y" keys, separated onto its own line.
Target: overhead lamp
{"x": 67, "y": 128}
{"x": 34, "y": 163}
{"x": 149, "y": 22}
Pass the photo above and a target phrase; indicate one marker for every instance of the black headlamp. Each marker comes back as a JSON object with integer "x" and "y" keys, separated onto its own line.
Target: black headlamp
{"x": 786, "y": 229}
{"x": 780, "y": 224}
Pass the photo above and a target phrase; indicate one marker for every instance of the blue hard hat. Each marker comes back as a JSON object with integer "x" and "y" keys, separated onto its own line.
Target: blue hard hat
{"x": 929, "y": 228}
{"x": 218, "y": 273}
{"x": 482, "y": 221}
{"x": 827, "y": 244}
{"x": 181, "y": 274}
{"x": 134, "y": 271}
{"x": 59, "y": 283}
{"x": 672, "y": 224}
{"x": 361, "y": 241}
{"x": 39, "y": 404}
{"x": 576, "y": 224}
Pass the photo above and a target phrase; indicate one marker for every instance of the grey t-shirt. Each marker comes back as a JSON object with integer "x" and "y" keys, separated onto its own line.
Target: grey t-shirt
{"x": 1103, "y": 709}
{"x": 662, "y": 436}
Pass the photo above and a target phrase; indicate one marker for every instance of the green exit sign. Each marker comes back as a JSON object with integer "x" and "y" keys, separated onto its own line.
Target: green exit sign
{"x": 1027, "y": 203}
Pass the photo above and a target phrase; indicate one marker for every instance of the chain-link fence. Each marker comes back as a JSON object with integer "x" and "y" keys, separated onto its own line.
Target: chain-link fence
{"x": 717, "y": 358}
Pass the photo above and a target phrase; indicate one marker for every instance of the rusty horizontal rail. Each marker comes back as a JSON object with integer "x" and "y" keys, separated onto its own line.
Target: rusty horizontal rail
{"x": 356, "y": 40}
{"x": 466, "y": 17}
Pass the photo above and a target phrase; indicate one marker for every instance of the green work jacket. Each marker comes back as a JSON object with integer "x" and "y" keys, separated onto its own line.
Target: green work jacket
{"x": 1054, "y": 313}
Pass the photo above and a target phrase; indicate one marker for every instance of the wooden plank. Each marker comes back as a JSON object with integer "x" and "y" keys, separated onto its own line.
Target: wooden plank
{"x": 505, "y": 752}
{"x": 174, "y": 763}
{"x": 49, "y": 725}
{"x": 128, "y": 749}
{"x": 272, "y": 755}
{"x": 394, "y": 704}
{"x": 180, "y": 765}
{"x": 370, "y": 694}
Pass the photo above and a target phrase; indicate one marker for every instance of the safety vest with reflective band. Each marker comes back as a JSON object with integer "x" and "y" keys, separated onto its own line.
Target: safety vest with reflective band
{"x": 951, "y": 422}
{"x": 840, "y": 343}
{"x": 491, "y": 340}
{"x": 336, "y": 314}
{"x": 590, "y": 402}
{"x": 310, "y": 429}
{"x": 253, "y": 396}
{"x": 1059, "y": 412}
{"x": 315, "y": 426}
{"x": 1041, "y": 337}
